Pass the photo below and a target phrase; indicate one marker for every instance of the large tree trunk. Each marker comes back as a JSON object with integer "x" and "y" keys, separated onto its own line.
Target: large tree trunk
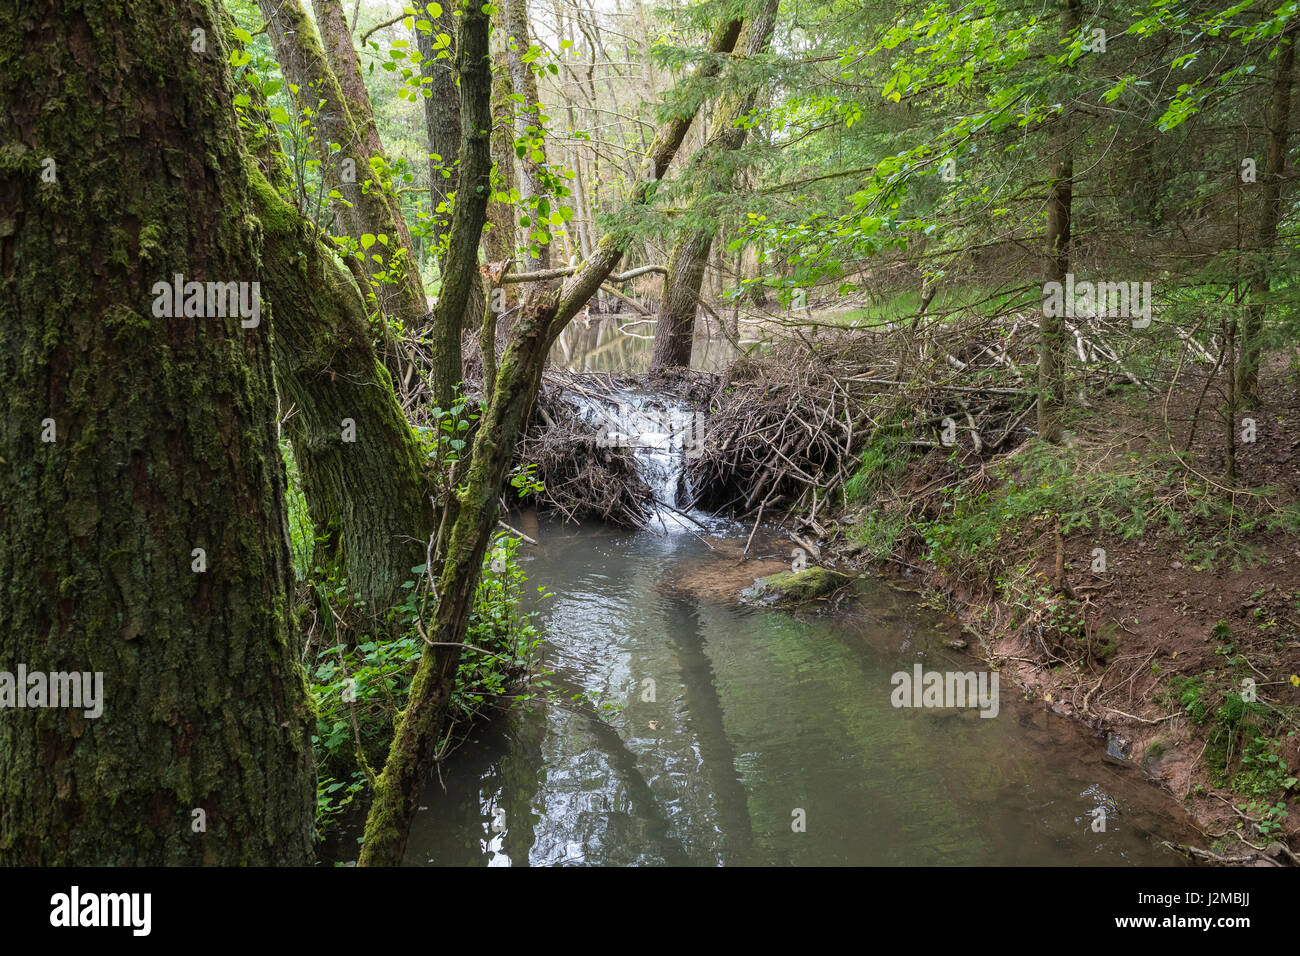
{"x": 544, "y": 315}
{"x": 164, "y": 443}
{"x": 675, "y": 321}
{"x": 675, "y": 325}
{"x": 368, "y": 209}
{"x": 1051, "y": 330}
{"x": 368, "y": 498}
{"x": 370, "y": 495}
{"x": 1279, "y": 133}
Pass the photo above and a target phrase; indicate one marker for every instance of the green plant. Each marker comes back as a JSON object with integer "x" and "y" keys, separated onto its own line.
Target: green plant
{"x": 446, "y": 439}
{"x": 1190, "y": 694}
{"x": 1262, "y": 771}
{"x": 1271, "y": 818}
{"x": 362, "y": 668}
{"x": 882, "y": 463}
{"x": 1045, "y": 487}
{"x": 879, "y": 532}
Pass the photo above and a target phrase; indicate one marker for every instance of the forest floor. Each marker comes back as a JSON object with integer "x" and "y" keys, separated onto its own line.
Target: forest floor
{"x": 1162, "y": 642}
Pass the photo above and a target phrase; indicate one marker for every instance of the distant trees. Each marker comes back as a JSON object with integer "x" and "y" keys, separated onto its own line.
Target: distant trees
{"x": 675, "y": 321}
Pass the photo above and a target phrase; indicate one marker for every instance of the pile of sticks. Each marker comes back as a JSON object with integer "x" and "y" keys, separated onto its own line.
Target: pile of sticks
{"x": 582, "y": 479}
{"x": 784, "y": 430}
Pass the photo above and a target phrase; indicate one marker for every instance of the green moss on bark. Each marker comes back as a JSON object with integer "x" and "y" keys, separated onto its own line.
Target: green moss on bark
{"x": 165, "y": 443}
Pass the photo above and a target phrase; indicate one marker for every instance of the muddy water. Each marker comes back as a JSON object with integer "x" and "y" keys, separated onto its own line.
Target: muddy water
{"x": 755, "y": 720}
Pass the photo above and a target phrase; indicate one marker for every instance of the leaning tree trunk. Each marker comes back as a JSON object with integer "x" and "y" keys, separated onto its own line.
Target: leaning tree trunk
{"x": 143, "y": 535}
{"x": 368, "y": 497}
{"x": 365, "y": 207}
{"x": 675, "y": 325}
{"x": 1279, "y": 132}
{"x": 544, "y": 315}
{"x": 1051, "y": 330}
{"x": 342, "y": 57}
{"x": 363, "y": 473}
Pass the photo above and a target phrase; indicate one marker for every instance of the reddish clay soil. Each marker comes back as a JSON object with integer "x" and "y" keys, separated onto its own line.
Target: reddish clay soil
{"x": 1162, "y": 611}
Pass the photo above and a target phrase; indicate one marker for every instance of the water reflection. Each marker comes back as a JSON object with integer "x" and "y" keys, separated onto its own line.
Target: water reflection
{"x": 621, "y": 344}
{"x": 721, "y": 725}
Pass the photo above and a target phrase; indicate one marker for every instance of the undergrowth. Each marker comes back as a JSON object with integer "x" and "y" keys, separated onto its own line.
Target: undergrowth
{"x": 360, "y": 665}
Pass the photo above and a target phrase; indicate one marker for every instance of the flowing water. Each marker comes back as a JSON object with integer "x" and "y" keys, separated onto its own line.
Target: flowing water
{"x": 715, "y": 733}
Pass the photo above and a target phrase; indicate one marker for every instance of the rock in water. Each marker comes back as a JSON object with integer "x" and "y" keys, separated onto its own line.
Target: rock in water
{"x": 798, "y": 587}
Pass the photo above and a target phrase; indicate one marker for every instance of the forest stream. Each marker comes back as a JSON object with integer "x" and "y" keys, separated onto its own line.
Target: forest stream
{"x": 710, "y": 732}
{"x": 629, "y": 433}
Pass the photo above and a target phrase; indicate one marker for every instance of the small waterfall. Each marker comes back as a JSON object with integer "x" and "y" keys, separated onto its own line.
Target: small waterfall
{"x": 662, "y": 433}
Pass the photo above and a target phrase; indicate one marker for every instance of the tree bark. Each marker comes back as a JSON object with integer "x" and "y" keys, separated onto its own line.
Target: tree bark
{"x": 369, "y": 496}
{"x": 165, "y": 442}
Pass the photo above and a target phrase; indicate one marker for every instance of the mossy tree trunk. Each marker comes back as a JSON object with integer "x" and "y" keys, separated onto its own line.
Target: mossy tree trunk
{"x": 369, "y": 208}
{"x": 456, "y": 299}
{"x": 164, "y": 442}
{"x": 675, "y": 325}
{"x": 363, "y": 473}
{"x": 544, "y": 314}
{"x": 675, "y": 321}
{"x": 369, "y": 497}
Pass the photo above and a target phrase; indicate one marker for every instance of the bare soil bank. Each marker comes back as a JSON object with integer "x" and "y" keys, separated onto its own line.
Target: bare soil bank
{"x": 1161, "y": 645}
